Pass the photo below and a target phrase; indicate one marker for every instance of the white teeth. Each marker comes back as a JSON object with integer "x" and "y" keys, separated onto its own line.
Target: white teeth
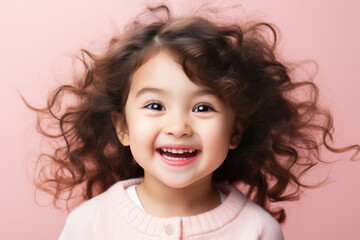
{"x": 175, "y": 158}
{"x": 178, "y": 151}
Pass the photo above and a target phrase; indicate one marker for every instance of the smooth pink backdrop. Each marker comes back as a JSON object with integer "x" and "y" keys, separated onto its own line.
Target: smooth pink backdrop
{"x": 38, "y": 38}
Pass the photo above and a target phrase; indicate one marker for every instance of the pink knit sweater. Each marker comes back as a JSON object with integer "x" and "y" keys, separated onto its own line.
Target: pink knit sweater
{"x": 113, "y": 215}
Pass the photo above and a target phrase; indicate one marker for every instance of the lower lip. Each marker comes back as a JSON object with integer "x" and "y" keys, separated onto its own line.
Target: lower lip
{"x": 179, "y": 163}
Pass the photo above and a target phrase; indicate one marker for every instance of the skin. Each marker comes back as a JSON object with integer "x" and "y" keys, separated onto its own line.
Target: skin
{"x": 164, "y": 107}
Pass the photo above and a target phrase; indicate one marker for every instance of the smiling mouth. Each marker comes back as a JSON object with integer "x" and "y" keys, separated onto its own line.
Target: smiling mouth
{"x": 178, "y": 154}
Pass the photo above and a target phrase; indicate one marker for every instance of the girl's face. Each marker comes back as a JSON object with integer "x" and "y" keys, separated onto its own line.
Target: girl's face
{"x": 178, "y": 132}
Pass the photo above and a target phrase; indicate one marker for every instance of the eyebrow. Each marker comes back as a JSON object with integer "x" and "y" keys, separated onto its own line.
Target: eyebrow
{"x": 151, "y": 90}
{"x": 205, "y": 92}
{"x": 163, "y": 92}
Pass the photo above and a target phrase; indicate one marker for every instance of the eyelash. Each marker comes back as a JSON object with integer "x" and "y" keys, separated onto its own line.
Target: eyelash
{"x": 155, "y": 104}
{"x": 210, "y": 108}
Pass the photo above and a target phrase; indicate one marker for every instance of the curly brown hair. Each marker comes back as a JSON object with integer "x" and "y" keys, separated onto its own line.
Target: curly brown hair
{"x": 281, "y": 134}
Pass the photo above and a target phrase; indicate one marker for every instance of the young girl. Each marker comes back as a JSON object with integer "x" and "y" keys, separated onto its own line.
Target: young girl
{"x": 171, "y": 118}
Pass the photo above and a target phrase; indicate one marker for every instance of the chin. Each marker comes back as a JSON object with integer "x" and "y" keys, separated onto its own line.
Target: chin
{"x": 178, "y": 184}
{"x": 174, "y": 183}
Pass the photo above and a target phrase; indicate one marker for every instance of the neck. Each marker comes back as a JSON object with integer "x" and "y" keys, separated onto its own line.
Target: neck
{"x": 161, "y": 200}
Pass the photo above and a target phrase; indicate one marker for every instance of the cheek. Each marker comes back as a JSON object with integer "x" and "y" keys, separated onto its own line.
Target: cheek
{"x": 139, "y": 131}
{"x": 142, "y": 134}
{"x": 216, "y": 136}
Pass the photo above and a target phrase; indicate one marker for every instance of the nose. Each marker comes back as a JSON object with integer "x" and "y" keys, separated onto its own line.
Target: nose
{"x": 178, "y": 126}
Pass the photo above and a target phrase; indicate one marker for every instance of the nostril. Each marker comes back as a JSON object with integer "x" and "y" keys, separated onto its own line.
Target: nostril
{"x": 178, "y": 130}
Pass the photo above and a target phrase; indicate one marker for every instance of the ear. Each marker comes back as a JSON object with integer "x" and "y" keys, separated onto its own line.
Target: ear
{"x": 233, "y": 144}
{"x": 236, "y": 136}
{"x": 121, "y": 129}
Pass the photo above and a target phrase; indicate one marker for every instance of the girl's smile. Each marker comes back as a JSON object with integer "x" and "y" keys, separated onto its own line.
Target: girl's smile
{"x": 178, "y": 155}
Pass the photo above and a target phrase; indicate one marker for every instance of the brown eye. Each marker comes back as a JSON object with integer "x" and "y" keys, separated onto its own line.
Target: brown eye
{"x": 203, "y": 108}
{"x": 155, "y": 106}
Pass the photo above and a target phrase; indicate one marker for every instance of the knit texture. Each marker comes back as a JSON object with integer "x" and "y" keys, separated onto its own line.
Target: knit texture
{"x": 113, "y": 215}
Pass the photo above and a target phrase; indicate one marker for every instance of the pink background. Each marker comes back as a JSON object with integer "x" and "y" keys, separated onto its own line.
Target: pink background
{"x": 37, "y": 39}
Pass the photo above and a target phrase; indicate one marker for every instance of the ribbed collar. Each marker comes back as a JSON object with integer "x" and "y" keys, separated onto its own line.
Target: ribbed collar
{"x": 191, "y": 225}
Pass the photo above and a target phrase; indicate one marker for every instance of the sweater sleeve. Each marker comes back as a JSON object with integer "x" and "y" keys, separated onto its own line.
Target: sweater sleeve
{"x": 268, "y": 227}
{"x": 78, "y": 226}
{"x": 271, "y": 229}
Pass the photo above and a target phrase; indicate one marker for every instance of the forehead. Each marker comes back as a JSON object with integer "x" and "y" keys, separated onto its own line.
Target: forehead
{"x": 163, "y": 72}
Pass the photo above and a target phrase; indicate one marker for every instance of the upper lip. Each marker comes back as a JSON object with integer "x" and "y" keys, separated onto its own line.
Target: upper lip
{"x": 178, "y": 146}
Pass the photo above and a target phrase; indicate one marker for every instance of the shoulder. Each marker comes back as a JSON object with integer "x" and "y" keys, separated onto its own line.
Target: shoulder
{"x": 258, "y": 220}
{"x": 79, "y": 222}
{"x": 82, "y": 221}
{"x": 269, "y": 227}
